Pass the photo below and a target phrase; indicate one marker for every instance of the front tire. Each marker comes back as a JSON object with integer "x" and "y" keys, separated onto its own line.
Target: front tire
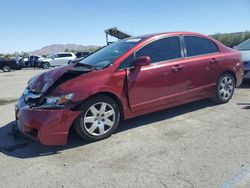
{"x": 6, "y": 68}
{"x": 99, "y": 118}
{"x": 224, "y": 88}
{"x": 45, "y": 65}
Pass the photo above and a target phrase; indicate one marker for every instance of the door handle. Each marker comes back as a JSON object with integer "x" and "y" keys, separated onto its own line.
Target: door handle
{"x": 177, "y": 68}
{"x": 213, "y": 61}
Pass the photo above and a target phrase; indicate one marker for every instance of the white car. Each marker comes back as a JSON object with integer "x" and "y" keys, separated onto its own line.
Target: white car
{"x": 244, "y": 49}
{"x": 57, "y": 59}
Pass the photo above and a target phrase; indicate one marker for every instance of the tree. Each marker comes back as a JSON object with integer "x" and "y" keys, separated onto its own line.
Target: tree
{"x": 232, "y": 39}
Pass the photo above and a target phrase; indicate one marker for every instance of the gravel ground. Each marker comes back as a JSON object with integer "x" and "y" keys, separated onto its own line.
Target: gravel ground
{"x": 194, "y": 145}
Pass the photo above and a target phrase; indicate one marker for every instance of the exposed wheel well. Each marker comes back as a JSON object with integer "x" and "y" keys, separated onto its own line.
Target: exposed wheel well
{"x": 6, "y": 65}
{"x": 111, "y": 95}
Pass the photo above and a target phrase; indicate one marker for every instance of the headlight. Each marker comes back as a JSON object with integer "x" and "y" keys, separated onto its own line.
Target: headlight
{"x": 57, "y": 101}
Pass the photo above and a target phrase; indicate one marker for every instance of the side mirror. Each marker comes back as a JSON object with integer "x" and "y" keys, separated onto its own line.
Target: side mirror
{"x": 142, "y": 61}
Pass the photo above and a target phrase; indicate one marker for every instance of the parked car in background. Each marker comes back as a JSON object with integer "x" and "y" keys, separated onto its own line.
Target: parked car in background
{"x": 23, "y": 61}
{"x": 244, "y": 49}
{"x": 57, "y": 59}
{"x": 82, "y": 54}
{"x": 75, "y": 60}
{"x": 128, "y": 78}
{"x": 33, "y": 60}
{"x": 6, "y": 64}
{"x": 30, "y": 61}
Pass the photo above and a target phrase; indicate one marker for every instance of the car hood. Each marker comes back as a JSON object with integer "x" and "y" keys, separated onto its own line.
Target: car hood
{"x": 52, "y": 78}
{"x": 41, "y": 58}
{"x": 45, "y": 59}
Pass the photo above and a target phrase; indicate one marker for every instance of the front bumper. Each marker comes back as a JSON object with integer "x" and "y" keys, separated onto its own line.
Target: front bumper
{"x": 48, "y": 126}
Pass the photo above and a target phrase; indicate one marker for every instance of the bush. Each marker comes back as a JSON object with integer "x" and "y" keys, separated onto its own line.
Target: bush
{"x": 232, "y": 39}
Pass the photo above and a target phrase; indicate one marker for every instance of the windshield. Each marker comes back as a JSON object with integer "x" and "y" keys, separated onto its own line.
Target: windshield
{"x": 50, "y": 56}
{"x": 107, "y": 55}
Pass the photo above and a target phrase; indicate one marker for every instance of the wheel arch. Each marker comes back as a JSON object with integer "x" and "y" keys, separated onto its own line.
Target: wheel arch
{"x": 232, "y": 73}
{"x": 6, "y": 64}
{"x": 108, "y": 94}
{"x": 45, "y": 62}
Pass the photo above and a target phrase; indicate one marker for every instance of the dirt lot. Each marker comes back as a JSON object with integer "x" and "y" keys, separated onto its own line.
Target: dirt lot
{"x": 12, "y": 84}
{"x": 194, "y": 145}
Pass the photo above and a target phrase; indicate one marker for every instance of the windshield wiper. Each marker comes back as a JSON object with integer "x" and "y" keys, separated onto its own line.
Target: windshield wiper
{"x": 106, "y": 66}
{"x": 91, "y": 67}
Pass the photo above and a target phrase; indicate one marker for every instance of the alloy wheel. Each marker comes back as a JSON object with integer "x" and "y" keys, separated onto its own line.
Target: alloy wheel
{"x": 6, "y": 68}
{"x": 99, "y": 119}
{"x": 226, "y": 87}
{"x": 45, "y": 65}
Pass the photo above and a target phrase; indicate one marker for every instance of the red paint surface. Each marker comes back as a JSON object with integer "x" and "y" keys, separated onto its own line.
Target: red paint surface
{"x": 151, "y": 88}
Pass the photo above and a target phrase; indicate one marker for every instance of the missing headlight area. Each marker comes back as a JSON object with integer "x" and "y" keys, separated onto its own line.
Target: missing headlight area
{"x": 32, "y": 98}
{"x": 40, "y": 100}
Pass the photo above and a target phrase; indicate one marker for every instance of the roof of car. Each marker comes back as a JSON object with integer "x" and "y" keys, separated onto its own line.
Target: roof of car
{"x": 35, "y": 55}
{"x": 64, "y": 53}
{"x": 170, "y": 33}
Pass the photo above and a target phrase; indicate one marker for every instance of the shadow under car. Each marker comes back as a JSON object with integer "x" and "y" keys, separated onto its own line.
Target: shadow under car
{"x": 14, "y": 144}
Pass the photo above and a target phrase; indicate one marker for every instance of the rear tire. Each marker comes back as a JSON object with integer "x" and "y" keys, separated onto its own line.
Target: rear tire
{"x": 99, "y": 118}
{"x": 224, "y": 88}
{"x": 6, "y": 68}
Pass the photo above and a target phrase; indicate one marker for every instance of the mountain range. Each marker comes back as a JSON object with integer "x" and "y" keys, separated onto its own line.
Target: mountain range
{"x": 54, "y": 48}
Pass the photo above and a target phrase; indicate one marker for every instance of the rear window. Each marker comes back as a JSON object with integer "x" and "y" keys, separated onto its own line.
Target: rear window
{"x": 199, "y": 46}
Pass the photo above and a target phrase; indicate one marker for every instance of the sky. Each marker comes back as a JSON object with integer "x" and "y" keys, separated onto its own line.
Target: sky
{"x": 27, "y": 25}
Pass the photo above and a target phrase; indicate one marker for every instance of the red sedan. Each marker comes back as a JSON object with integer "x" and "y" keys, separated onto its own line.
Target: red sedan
{"x": 129, "y": 78}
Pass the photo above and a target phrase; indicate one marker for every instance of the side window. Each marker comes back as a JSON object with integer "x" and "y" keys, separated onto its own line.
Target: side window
{"x": 67, "y": 55}
{"x": 197, "y": 46}
{"x": 214, "y": 47}
{"x": 59, "y": 55}
{"x": 161, "y": 50}
{"x": 63, "y": 55}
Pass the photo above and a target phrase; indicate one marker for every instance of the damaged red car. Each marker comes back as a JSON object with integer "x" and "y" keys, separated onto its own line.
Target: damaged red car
{"x": 131, "y": 77}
